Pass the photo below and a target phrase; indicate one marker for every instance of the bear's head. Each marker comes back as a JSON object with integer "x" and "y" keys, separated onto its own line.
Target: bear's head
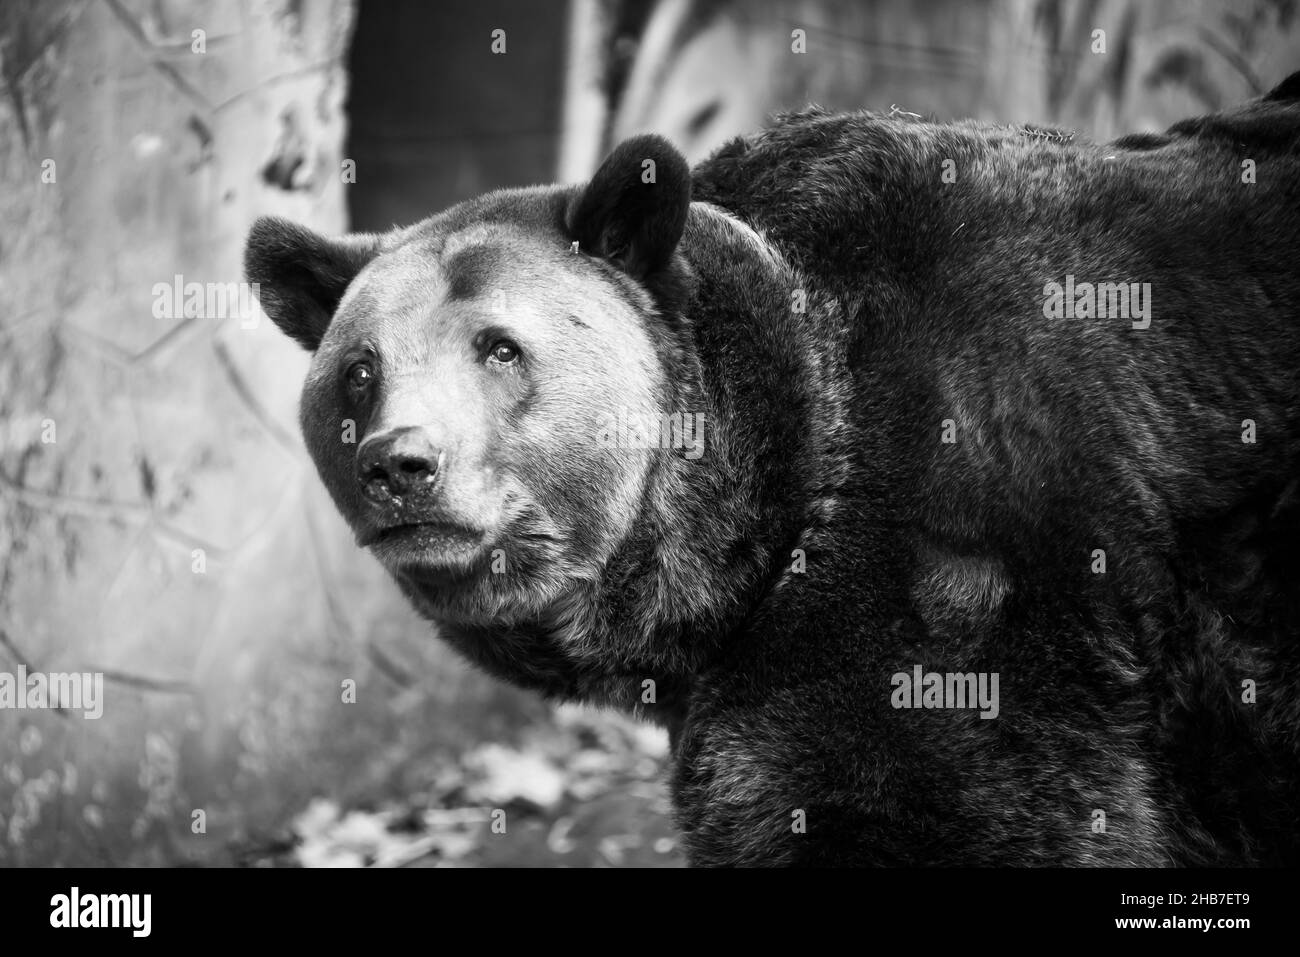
{"x": 466, "y": 373}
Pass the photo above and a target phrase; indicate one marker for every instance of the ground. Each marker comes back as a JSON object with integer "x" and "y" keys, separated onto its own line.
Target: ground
{"x": 586, "y": 790}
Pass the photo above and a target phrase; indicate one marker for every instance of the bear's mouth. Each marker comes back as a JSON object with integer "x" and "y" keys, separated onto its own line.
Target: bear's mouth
{"x": 424, "y": 543}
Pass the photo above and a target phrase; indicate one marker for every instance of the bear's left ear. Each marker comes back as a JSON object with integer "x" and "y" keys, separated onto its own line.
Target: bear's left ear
{"x": 634, "y": 209}
{"x": 301, "y": 275}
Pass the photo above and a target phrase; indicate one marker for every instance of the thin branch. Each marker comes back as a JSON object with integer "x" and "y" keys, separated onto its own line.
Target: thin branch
{"x": 8, "y": 644}
{"x": 61, "y": 503}
{"x": 146, "y": 45}
{"x": 255, "y": 408}
{"x": 1234, "y": 58}
{"x": 278, "y": 78}
{"x": 145, "y": 683}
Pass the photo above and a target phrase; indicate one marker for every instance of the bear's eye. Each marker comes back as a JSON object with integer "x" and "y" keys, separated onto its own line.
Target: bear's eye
{"x": 503, "y": 351}
{"x": 359, "y": 377}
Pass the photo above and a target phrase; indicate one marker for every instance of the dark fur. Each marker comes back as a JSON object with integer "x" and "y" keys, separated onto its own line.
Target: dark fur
{"x": 1119, "y": 692}
{"x": 302, "y": 278}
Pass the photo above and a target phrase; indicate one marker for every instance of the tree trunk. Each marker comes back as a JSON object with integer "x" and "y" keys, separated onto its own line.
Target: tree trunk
{"x": 158, "y": 521}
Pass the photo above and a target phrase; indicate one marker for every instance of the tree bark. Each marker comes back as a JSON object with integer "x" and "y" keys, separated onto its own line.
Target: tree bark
{"x": 158, "y": 521}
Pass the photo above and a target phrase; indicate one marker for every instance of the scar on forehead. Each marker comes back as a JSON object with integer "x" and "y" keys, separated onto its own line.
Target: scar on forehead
{"x": 471, "y": 269}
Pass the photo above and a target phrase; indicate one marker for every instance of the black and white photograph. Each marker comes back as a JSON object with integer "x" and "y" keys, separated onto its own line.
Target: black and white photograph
{"x": 649, "y": 434}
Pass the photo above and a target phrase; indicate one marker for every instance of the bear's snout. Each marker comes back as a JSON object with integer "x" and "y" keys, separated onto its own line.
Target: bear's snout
{"x": 398, "y": 464}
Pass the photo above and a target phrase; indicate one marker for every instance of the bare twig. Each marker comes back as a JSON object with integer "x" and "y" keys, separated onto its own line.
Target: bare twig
{"x": 145, "y": 683}
{"x": 255, "y": 408}
{"x": 146, "y": 45}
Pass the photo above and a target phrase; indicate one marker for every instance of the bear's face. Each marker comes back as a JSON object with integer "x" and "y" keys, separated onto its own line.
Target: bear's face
{"x": 464, "y": 376}
{"x": 474, "y": 371}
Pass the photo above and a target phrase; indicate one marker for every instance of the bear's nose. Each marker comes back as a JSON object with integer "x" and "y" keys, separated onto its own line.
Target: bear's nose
{"x": 396, "y": 463}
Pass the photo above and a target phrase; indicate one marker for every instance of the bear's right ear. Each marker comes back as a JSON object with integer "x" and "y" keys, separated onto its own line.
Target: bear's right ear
{"x": 633, "y": 211}
{"x": 301, "y": 275}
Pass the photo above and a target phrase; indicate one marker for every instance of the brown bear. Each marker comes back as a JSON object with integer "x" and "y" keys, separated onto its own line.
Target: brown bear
{"x": 934, "y": 485}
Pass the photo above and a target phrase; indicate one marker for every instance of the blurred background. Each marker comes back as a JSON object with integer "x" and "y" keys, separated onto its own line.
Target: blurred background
{"x": 169, "y": 531}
